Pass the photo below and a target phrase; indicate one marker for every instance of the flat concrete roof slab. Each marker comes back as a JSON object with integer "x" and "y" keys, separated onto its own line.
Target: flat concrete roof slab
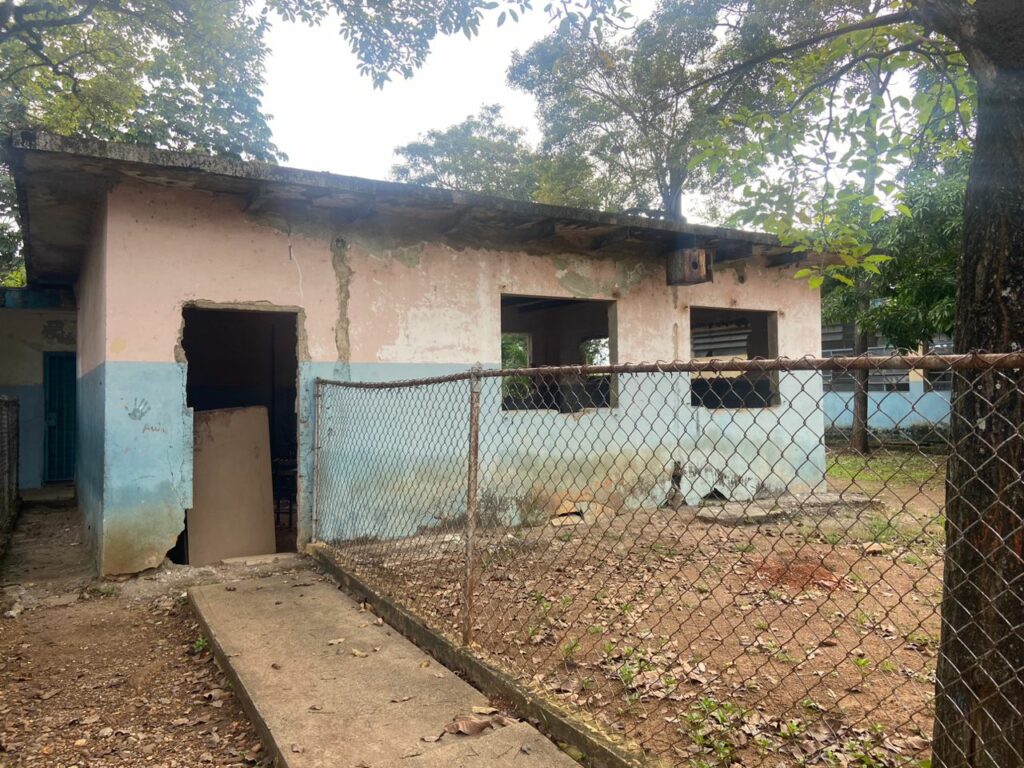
{"x": 329, "y": 684}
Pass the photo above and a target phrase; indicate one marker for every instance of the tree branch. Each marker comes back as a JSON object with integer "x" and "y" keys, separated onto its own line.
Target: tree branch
{"x": 745, "y": 66}
{"x": 22, "y": 25}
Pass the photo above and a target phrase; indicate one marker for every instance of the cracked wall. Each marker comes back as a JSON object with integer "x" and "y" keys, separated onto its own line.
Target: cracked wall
{"x": 372, "y": 306}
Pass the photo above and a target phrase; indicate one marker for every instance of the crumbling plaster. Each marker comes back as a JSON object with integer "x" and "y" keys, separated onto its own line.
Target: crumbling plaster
{"x": 371, "y": 304}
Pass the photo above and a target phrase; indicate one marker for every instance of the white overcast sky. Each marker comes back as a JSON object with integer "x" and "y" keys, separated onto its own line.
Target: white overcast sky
{"x": 327, "y": 117}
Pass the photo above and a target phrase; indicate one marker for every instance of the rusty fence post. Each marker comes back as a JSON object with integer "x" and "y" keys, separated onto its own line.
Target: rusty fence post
{"x": 314, "y": 534}
{"x": 472, "y": 506}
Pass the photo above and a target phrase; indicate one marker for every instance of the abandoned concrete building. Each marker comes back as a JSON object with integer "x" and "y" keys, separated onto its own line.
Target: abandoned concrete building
{"x": 175, "y": 284}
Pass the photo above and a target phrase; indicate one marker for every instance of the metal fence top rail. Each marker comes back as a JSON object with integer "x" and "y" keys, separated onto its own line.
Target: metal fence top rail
{"x": 969, "y": 361}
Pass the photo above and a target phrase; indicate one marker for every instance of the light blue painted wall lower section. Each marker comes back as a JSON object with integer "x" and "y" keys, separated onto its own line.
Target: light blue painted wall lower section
{"x": 400, "y": 454}
{"x": 891, "y": 410}
{"x": 135, "y": 470}
{"x": 148, "y": 469}
{"x": 31, "y": 423}
{"x": 394, "y": 461}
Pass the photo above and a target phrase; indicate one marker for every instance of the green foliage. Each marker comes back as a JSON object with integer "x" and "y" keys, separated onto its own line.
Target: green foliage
{"x": 483, "y": 154}
{"x": 860, "y": 109}
{"x": 624, "y": 103}
{"x": 515, "y": 350}
{"x": 394, "y": 37}
{"x": 909, "y": 298}
{"x": 917, "y": 287}
{"x": 189, "y": 75}
{"x": 480, "y": 154}
{"x": 515, "y": 353}
{"x": 178, "y": 75}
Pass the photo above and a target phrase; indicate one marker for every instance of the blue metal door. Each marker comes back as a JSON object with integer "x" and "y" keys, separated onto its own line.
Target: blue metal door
{"x": 59, "y": 396}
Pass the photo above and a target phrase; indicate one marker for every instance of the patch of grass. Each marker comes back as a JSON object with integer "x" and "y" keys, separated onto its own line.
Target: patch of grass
{"x": 888, "y": 467}
{"x": 922, "y": 639}
{"x": 812, "y": 705}
{"x": 200, "y": 644}
{"x": 882, "y": 530}
{"x": 713, "y": 726}
{"x": 569, "y": 650}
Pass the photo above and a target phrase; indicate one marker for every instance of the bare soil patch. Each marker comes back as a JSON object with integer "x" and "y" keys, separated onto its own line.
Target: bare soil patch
{"x": 115, "y": 672}
{"x": 807, "y": 640}
{"x": 109, "y": 681}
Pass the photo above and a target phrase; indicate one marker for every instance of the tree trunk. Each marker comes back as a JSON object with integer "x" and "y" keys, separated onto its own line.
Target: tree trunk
{"x": 859, "y": 435}
{"x": 672, "y": 195}
{"x": 980, "y": 676}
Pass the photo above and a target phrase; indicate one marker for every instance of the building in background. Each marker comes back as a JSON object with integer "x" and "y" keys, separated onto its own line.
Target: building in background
{"x": 897, "y": 400}
{"x": 37, "y": 366}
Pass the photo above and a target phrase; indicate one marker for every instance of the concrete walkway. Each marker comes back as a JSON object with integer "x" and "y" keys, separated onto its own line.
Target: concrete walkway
{"x": 328, "y": 684}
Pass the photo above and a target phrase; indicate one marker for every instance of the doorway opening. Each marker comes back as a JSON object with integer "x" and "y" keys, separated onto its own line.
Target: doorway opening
{"x": 244, "y": 359}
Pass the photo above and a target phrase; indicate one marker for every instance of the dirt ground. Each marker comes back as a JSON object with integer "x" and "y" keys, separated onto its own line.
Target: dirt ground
{"x": 111, "y": 673}
{"x": 805, "y": 638}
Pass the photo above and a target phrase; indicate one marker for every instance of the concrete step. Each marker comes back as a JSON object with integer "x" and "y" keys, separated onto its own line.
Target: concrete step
{"x": 327, "y": 685}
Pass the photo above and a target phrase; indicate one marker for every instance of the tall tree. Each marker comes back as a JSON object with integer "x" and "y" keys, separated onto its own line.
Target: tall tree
{"x": 911, "y": 300}
{"x": 484, "y": 154}
{"x": 978, "y": 44}
{"x": 980, "y": 682}
{"x": 480, "y": 154}
{"x": 188, "y": 75}
{"x": 178, "y": 75}
{"x": 624, "y": 102}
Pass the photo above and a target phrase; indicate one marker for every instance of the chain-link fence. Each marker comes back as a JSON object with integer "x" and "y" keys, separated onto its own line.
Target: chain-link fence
{"x": 676, "y": 553}
{"x": 8, "y": 468}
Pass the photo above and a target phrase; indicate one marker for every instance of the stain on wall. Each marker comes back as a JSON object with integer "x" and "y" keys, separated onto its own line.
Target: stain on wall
{"x": 373, "y": 306}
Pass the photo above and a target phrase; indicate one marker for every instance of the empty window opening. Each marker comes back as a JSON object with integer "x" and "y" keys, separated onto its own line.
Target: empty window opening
{"x": 733, "y": 334}
{"x": 538, "y": 331}
{"x": 245, "y": 360}
{"x": 838, "y": 341}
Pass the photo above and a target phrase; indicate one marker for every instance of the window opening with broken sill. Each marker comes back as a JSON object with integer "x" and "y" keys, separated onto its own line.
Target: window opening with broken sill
{"x": 540, "y": 331}
{"x": 733, "y": 334}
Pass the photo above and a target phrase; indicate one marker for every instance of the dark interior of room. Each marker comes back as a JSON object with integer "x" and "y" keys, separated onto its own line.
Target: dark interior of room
{"x": 239, "y": 359}
{"x": 728, "y": 334}
{"x": 555, "y": 331}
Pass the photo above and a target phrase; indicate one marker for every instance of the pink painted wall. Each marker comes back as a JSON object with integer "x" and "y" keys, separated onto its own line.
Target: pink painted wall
{"x": 410, "y": 304}
{"x": 438, "y": 304}
{"x": 169, "y": 247}
{"x": 91, "y": 296}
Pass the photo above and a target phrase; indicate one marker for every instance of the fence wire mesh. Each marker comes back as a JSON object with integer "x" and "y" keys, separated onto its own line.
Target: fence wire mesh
{"x": 8, "y": 467}
{"x": 692, "y": 556}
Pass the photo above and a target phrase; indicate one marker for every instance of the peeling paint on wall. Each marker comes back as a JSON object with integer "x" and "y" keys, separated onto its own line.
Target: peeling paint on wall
{"x": 371, "y": 304}
{"x": 343, "y": 277}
